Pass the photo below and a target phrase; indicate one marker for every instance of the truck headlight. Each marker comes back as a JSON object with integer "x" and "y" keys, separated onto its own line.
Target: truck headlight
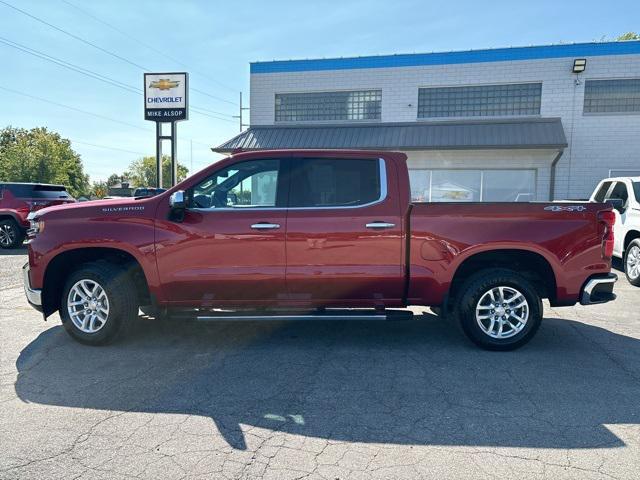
{"x": 36, "y": 225}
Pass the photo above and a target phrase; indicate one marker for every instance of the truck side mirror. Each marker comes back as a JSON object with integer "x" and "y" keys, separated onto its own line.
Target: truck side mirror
{"x": 178, "y": 205}
{"x": 616, "y": 203}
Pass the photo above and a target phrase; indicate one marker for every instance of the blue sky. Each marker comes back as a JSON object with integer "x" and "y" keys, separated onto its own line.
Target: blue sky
{"x": 217, "y": 40}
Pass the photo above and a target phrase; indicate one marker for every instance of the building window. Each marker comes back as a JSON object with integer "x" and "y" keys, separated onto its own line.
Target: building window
{"x": 472, "y": 185}
{"x": 480, "y": 101}
{"x": 327, "y": 106}
{"x": 612, "y": 96}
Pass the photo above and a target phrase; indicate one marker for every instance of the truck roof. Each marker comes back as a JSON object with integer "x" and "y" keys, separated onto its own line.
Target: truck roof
{"x": 620, "y": 179}
{"x": 33, "y": 184}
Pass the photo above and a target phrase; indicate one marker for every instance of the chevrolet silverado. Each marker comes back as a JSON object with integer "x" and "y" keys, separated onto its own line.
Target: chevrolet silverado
{"x": 326, "y": 234}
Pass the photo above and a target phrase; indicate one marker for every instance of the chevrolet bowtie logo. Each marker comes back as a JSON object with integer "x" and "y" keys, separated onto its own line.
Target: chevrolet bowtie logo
{"x": 164, "y": 84}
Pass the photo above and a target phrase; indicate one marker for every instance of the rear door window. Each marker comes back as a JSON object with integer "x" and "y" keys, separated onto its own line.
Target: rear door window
{"x": 49, "y": 192}
{"x": 335, "y": 182}
{"x": 620, "y": 191}
{"x": 602, "y": 192}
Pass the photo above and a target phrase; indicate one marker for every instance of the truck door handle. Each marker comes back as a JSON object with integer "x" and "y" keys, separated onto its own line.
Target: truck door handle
{"x": 380, "y": 225}
{"x": 265, "y": 226}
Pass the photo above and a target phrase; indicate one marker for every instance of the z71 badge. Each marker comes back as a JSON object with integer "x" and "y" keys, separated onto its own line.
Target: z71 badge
{"x": 566, "y": 208}
{"x": 123, "y": 209}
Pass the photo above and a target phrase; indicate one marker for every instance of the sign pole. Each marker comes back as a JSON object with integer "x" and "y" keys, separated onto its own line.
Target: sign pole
{"x": 174, "y": 163}
{"x": 158, "y": 155}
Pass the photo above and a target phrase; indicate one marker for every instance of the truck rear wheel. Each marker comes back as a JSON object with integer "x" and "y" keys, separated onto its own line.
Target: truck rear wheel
{"x": 499, "y": 309}
{"x": 632, "y": 262}
{"x": 98, "y": 301}
{"x": 11, "y": 235}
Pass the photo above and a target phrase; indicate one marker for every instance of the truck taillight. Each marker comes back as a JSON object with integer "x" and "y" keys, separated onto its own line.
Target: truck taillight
{"x": 607, "y": 219}
{"x": 36, "y": 205}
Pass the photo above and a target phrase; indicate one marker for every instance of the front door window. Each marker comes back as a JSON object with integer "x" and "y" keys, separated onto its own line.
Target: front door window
{"x": 242, "y": 185}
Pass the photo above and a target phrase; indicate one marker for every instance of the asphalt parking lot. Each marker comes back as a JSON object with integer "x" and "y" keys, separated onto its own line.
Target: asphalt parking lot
{"x": 325, "y": 400}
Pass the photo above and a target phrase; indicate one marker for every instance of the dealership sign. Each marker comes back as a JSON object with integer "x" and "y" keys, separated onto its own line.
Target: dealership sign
{"x": 166, "y": 96}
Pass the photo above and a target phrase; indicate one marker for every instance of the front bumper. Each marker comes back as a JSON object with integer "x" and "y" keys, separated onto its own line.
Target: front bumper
{"x": 599, "y": 289}
{"x": 34, "y": 296}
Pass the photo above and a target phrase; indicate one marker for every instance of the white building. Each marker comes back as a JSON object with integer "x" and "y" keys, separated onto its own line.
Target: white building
{"x": 500, "y": 124}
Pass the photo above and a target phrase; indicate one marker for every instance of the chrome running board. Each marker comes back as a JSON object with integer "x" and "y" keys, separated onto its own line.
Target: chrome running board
{"x": 343, "y": 316}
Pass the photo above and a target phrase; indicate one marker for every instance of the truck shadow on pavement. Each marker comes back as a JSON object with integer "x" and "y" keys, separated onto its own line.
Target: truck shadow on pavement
{"x": 21, "y": 250}
{"x": 417, "y": 382}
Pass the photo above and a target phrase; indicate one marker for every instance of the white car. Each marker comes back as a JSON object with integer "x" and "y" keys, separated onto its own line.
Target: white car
{"x": 626, "y": 230}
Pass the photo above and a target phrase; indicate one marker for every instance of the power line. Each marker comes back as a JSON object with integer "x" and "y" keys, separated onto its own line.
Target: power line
{"x": 97, "y": 115}
{"x": 106, "y": 147}
{"x": 91, "y": 44}
{"x": 69, "y": 107}
{"x": 67, "y": 65}
{"x": 146, "y": 45}
{"x": 98, "y": 76}
{"x": 201, "y": 112}
{"x": 202, "y": 92}
{"x": 80, "y": 39}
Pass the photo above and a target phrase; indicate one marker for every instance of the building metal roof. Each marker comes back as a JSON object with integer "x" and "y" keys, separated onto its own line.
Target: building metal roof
{"x": 593, "y": 49}
{"x": 533, "y": 133}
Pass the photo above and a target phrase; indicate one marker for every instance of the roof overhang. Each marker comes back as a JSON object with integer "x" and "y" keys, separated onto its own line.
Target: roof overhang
{"x": 525, "y": 133}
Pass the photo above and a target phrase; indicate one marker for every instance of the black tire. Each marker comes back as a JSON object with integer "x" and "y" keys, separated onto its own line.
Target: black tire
{"x": 11, "y": 234}
{"x": 472, "y": 292}
{"x": 443, "y": 312}
{"x": 635, "y": 244}
{"x": 118, "y": 285}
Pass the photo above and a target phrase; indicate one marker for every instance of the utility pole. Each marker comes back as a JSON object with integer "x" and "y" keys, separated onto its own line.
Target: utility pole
{"x": 191, "y": 152}
{"x": 242, "y": 109}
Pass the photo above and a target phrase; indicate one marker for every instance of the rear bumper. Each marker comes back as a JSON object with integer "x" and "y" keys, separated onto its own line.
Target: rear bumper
{"x": 598, "y": 289}
{"x": 34, "y": 296}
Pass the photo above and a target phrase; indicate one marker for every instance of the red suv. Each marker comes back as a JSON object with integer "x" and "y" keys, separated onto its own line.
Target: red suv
{"x": 17, "y": 200}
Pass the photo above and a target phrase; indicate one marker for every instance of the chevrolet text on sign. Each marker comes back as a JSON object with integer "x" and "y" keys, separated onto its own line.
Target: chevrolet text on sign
{"x": 165, "y": 96}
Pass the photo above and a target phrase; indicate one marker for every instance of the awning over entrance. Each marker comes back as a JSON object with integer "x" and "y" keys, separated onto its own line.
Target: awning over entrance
{"x": 529, "y": 133}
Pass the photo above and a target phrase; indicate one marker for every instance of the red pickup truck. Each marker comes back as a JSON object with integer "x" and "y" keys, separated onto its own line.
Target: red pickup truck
{"x": 299, "y": 234}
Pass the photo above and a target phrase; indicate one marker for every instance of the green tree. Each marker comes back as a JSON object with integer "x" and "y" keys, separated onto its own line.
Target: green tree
{"x": 113, "y": 179}
{"x": 142, "y": 172}
{"x": 38, "y": 155}
{"x": 99, "y": 189}
{"x": 628, "y": 36}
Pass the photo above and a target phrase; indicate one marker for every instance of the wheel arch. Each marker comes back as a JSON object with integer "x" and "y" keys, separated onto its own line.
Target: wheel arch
{"x": 62, "y": 265}
{"x": 629, "y": 237}
{"x": 6, "y": 215}
{"x": 532, "y": 265}
{"x": 9, "y": 215}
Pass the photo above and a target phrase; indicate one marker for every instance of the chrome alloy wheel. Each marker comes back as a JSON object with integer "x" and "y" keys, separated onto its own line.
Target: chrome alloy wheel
{"x": 7, "y": 235}
{"x": 502, "y": 312}
{"x": 633, "y": 262}
{"x": 88, "y": 306}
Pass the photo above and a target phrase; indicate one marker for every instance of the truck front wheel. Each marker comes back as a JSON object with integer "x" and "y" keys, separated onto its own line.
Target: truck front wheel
{"x": 499, "y": 310}
{"x": 98, "y": 301}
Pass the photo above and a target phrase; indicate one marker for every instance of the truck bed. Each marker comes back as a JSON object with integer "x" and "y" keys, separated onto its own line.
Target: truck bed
{"x": 567, "y": 235}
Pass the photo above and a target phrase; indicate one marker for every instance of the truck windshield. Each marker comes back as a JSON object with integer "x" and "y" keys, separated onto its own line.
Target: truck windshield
{"x": 636, "y": 190}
